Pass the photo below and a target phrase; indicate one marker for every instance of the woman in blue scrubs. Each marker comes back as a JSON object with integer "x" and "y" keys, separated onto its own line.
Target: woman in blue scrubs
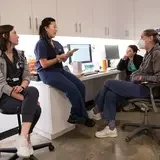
{"x": 49, "y": 56}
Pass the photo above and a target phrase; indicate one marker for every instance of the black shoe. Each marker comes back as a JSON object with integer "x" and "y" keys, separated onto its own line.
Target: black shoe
{"x": 76, "y": 120}
{"x": 89, "y": 123}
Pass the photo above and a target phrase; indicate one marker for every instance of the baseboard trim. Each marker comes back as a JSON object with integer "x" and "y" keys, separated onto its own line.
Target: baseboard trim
{"x": 53, "y": 136}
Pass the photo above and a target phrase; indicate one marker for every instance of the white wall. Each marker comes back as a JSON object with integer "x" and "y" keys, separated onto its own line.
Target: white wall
{"x": 27, "y": 43}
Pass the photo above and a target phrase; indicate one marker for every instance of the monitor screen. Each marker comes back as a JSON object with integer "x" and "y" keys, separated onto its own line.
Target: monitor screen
{"x": 83, "y": 55}
{"x": 112, "y": 52}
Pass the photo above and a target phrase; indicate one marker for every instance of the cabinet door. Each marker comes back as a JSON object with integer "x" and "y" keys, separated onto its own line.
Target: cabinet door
{"x": 124, "y": 19}
{"x": 0, "y": 14}
{"x": 146, "y": 16}
{"x": 42, "y": 10}
{"x": 67, "y": 18}
{"x": 17, "y": 13}
{"x": 85, "y": 18}
{"x": 103, "y": 18}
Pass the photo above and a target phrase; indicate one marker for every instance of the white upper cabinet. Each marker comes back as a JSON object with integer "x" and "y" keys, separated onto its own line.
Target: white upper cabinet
{"x": 67, "y": 18}
{"x": 84, "y": 18}
{"x": 17, "y": 13}
{"x": 41, "y": 10}
{"x": 81, "y": 18}
{"x": 103, "y": 18}
{"x": 0, "y": 14}
{"x": 74, "y": 18}
{"x": 146, "y": 16}
{"x": 124, "y": 19}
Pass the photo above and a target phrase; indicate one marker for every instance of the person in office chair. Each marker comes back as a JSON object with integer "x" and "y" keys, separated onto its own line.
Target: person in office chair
{"x": 14, "y": 90}
{"x": 130, "y": 62}
{"x": 115, "y": 91}
{"x": 49, "y": 56}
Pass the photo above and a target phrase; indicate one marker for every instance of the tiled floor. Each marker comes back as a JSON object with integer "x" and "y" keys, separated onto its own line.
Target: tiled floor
{"x": 80, "y": 144}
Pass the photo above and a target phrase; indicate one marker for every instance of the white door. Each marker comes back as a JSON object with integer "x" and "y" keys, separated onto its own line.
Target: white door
{"x": 103, "y": 18}
{"x": 17, "y": 13}
{"x": 41, "y": 10}
{"x": 67, "y": 18}
{"x": 85, "y": 18}
{"x": 124, "y": 19}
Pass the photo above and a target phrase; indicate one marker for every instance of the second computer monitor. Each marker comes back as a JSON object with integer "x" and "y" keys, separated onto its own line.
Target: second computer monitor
{"x": 112, "y": 52}
{"x": 83, "y": 55}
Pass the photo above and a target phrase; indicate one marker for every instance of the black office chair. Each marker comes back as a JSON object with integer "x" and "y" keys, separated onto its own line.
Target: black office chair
{"x": 15, "y": 131}
{"x": 147, "y": 104}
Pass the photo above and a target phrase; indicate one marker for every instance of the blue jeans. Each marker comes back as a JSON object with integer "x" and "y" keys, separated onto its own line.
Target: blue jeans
{"x": 69, "y": 84}
{"x": 114, "y": 92}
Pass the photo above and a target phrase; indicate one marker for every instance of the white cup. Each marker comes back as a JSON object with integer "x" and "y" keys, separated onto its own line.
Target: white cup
{"x": 77, "y": 67}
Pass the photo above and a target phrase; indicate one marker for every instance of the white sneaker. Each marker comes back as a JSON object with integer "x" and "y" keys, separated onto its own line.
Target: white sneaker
{"x": 94, "y": 116}
{"x": 22, "y": 147}
{"x": 30, "y": 148}
{"x": 106, "y": 132}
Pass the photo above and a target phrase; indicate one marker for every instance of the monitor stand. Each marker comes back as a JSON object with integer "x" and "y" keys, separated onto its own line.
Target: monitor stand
{"x": 109, "y": 63}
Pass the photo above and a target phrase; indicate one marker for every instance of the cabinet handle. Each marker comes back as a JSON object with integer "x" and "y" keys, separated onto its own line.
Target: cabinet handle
{"x": 80, "y": 28}
{"x": 30, "y": 23}
{"x": 105, "y": 31}
{"x": 126, "y": 33}
{"x": 108, "y": 31}
{"x": 76, "y": 28}
{"x": 36, "y": 23}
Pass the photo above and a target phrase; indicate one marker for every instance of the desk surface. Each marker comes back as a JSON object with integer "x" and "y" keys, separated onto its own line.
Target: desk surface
{"x": 85, "y": 78}
{"x": 100, "y": 74}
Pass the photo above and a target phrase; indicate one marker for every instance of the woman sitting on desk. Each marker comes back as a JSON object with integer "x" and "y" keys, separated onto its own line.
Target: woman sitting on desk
{"x": 115, "y": 91}
{"x": 130, "y": 62}
{"x": 49, "y": 56}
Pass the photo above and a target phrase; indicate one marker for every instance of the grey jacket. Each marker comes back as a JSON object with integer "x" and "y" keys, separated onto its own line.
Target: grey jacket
{"x": 4, "y": 87}
{"x": 150, "y": 67}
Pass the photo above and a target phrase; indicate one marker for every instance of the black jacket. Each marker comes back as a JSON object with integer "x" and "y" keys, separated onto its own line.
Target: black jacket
{"x": 123, "y": 64}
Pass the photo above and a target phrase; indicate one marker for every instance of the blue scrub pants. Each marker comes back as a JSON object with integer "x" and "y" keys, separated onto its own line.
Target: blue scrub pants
{"x": 69, "y": 84}
{"x": 114, "y": 92}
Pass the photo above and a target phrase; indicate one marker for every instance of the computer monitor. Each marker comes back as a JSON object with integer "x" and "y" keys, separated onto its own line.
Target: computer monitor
{"x": 112, "y": 52}
{"x": 83, "y": 55}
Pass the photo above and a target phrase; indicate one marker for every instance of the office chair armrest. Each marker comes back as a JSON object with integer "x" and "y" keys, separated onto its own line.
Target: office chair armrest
{"x": 150, "y": 84}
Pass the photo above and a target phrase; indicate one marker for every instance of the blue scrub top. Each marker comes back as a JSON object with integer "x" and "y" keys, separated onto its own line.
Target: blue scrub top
{"x": 44, "y": 49}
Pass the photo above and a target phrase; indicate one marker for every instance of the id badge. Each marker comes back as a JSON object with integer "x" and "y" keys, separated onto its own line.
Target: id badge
{"x": 15, "y": 79}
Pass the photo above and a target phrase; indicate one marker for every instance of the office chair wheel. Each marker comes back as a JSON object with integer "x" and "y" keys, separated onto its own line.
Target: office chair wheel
{"x": 127, "y": 139}
{"x": 51, "y": 147}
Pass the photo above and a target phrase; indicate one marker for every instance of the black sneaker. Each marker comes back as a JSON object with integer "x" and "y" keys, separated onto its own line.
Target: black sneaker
{"x": 76, "y": 120}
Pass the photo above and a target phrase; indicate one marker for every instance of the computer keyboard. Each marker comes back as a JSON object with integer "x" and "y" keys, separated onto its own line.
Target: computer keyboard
{"x": 89, "y": 73}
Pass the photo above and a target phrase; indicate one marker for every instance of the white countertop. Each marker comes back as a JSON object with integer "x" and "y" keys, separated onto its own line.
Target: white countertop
{"x": 88, "y": 77}
{"x": 100, "y": 74}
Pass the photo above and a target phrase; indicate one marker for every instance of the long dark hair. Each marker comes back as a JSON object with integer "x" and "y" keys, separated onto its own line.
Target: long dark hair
{"x": 134, "y": 48}
{"x": 154, "y": 33}
{"x": 45, "y": 23}
{"x": 4, "y": 36}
